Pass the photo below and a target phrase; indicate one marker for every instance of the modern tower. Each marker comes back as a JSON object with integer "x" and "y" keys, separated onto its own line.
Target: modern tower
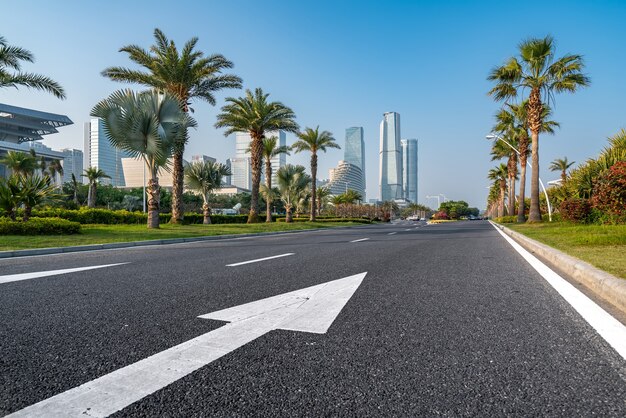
{"x": 390, "y": 178}
{"x": 242, "y": 172}
{"x": 344, "y": 177}
{"x": 99, "y": 153}
{"x": 409, "y": 169}
{"x": 354, "y": 150}
{"x": 72, "y": 164}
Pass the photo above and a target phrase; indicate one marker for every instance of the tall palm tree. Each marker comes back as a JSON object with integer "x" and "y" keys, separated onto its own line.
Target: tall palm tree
{"x": 292, "y": 185}
{"x": 55, "y": 167}
{"x": 561, "y": 164}
{"x": 543, "y": 75}
{"x": 313, "y": 140}
{"x": 10, "y": 60}
{"x": 270, "y": 150}
{"x": 499, "y": 175}
{"x": 255, "y": 115}
{"x": 75, "y": 187}
{"x": 186, "y": 74}
{"x": 205, "y": 177}
{"x": 20, "y": 163}
{"x": 322, "y": 195}
{"x": 94, "y": 175}
{"x": 501, "y": 150}
{"x": 147, "y": 126}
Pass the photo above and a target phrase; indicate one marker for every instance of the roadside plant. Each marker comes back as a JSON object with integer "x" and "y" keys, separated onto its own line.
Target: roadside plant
{"x": 292, "y": 185}
{"x": 10, "y": 195}
{"x": 610, "y": 193}
{"x": 93, "y": 176}
{"x": 20, "y": 163}
{"x": 270, "y": 150}
{"x": 499, "y": 177}
{"x": 35, "y": 191}
{"x": 204, "y": 177}
{"x": 561, "y": 164}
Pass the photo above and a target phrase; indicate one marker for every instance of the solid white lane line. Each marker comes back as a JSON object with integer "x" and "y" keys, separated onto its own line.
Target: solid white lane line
{"x": 608, "y": 327}
{"x": 259, "y": 259}
{"x": 26, "y": 276}
{"x": 392, "y": 233}
{"x": 359, "y": 240}
{"x": 408, "y": 229}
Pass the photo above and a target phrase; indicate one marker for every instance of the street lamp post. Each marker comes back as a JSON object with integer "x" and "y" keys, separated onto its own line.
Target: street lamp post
{"x": 493, "y": 136}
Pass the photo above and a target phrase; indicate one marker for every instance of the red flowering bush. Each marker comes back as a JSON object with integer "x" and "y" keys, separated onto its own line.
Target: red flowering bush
{"x": 575, "y": 209}
{"x": 441, "y": 215}
{"x": 609, "y": 194}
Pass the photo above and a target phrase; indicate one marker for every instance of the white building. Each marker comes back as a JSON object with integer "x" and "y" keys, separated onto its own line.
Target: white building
{"x": 409, "y": 169}
{"x": 72, "y": 164}
{"x": 346, "y": 177}
{"x": 99, "y": 153}
{"x": 242, "y": 175}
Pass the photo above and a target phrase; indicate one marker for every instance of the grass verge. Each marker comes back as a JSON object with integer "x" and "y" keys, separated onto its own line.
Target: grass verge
{"x": 102, "y": 234}
{"x": 603, "y": 246}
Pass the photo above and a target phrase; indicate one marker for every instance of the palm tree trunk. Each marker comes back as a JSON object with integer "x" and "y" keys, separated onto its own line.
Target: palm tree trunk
{"x": 27, "y": 211}
{"x": 153, "y": 202}
{"x": 206, "y": 211}
{"x": 521, "y": 210}
{"x": 178, "y": 173}
{"x": 534, "y": 123}
{"x": 91, "y": 197}
{"x": 256, "y": 151}
{"x": 502, "y": 197}
{"x": 563, "y": 177}
{"x": 313, "y": 184}
{"x": 268, "y": 183}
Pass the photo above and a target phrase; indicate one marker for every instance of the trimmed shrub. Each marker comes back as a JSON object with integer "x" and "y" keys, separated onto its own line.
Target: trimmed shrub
{"x": 609, "y": 195}
{"x": 38, "y": 226}
{"x": 506, "y": 220}
{"x": 441, "y": 215}
{"x": 575, "y": 209}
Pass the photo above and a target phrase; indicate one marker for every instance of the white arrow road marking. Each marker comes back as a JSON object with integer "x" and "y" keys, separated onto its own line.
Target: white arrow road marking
{"x": 26, "y": 276}
{"x": 359, "y": 240}
{"x": 312, "y": 309}
{"x": 259, "y": 259}
{"x": 608, "y": 327}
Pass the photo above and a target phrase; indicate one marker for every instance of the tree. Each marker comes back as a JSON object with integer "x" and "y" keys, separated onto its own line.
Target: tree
{"x": 389, "y": 208}
{"x": 10, "y": 60}
{"x": 205, "y": 177}
{"x": 186, "y": 74}
{"x": 501, "y": 150}
{"x": 20, "y": 163}
{"x": 270, "y": 150}
{"x": 55, "y": 167}
{"x": 321, "y": 195}
{"x": 147, "y": 126}
{"x": 10, "y": 195}
{"x": 75, "y": 187}
{"x": 499, "y": 175}
{"x": 292, "y": 185}
{"x": 255, "y": 115}
{"x": 36, "y": 190}
{"x": 313, "y": 140}
{"x": 538, "y": 71}
{"x": 94, "y": 175}
{"x": 561, "y": 164}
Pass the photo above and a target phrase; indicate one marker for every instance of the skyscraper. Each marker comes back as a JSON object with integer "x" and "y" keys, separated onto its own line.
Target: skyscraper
{"x": 409, "y": 169}
{"x": 99, "y": 153}
{"x": 242, "y": 173}
{"x": 344, "y": 177}
{"x": 72, "y": 164}
{"x": 390, "y": 178}
{"x": 354, "y": 151}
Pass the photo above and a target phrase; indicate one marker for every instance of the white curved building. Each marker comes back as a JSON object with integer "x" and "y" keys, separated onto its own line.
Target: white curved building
{"x": 346, "y": 176}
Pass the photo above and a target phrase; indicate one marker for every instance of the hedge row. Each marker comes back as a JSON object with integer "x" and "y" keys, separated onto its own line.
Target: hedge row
{"x": 38, "y": 226}
{"x": 322, "y": 220}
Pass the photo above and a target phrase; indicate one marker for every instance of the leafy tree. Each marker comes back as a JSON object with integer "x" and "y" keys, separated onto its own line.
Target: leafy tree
{"x": 36, "y": 190}
{"x": 186, "y": 74}
{"x": 147, "y": 126}
{"x": 312, "y": 140}
{"x": 205, "y": 177}
{"x": 255, "y": 115}
{"x": 93, "y": 175}
{"x": 292, "y": 185}
{"x": 270, "y": 150}
{"x": 20, "y": 163}
{"x": 538, "y": 71}
{"x": 561, "y": 164}
{"x": 10, "y": 60}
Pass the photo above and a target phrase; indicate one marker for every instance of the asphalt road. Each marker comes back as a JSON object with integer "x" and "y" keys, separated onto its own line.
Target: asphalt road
{"x": 449, "y": 321}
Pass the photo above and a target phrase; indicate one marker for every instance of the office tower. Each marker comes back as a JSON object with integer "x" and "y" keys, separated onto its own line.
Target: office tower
{"x": 72, "y": 164}
{"x": 409, "y": 169}
{"x": 346, "y": 177}
{"x": 354, "y": 150}
{"x": 390, "y": 176}
{"x": 99, "y": 153}
{"x": 242, "y": 175}
{"x": 203, "y": 158}
{"x": 137, "y": 173}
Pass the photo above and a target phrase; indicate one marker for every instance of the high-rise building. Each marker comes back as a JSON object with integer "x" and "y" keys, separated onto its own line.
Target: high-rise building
{"x": 242, "y": 173}
{"x": 72, "y": 164}
{"x": 346, "y": 177}
{"x": 409, "y": 169}
{"x": 354, "y": 151}
{"x": 99, "y": 153}
{"x": 203, "y": 158}
{"x": 390, "y": 176}
{"x": 242, "y": 150}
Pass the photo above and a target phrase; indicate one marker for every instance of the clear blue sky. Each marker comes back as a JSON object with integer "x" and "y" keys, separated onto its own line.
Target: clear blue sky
{"x": 343, "y": 63}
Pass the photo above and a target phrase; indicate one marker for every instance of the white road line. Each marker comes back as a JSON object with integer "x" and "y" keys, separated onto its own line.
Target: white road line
{"x": 26, "y": 276}
{"x": 258, "y": 259}
{"x": 359, "y": 240}
{"x": 392, "y": 233}
{"x": 608, "y": 327}
{"x": 408, "y": 229}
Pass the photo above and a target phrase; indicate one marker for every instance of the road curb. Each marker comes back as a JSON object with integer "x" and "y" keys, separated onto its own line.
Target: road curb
{"x": 601, "y": 283}
{"x": 168, "y": 241}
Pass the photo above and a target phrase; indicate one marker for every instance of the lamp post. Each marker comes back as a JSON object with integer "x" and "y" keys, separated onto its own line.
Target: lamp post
{"x": 492, "y": 137}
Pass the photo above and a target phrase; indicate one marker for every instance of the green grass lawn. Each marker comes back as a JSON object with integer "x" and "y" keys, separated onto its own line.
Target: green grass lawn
{"x": 101, "y": 234}
{"x": 603, "y": 246}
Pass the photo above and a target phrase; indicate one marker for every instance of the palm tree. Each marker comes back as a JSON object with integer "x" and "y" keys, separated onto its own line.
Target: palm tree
{"x": 269, "y": 194}
{"x": 538, "y": 71}
{"x": 322, "y": 194}
{"x": 499, "y": 176}
{"x": 55, "y": 167}
{"x": 186, "y": 74}
{"x": 10, "y": 59}
{"x": 253, "y": 114}
{"x": 292, "y": 185}
{"x": 36, "y": 190}
{"x": 270, "y": 150}
{"x": 93, "y": 174}
{"x": 10, "y": 195}
{"x": 205, "y": 177}
{"x": 561, "y": 165}
{"x": 20, "y": 163}
{"x": 313, "y": 140}
{"x": 75, "y": 187}
{"x": 501, "y": 150}
{"x": 147, "y": 126}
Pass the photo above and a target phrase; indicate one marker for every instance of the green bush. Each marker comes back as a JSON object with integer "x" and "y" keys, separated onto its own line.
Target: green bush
{"x": 506, "y": 220}
{"x": 322, "y": 220}
{"x": 38, "y": 226}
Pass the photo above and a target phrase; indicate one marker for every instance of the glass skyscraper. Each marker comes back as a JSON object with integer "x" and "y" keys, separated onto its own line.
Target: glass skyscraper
{"x": 390, "y": 178}
{"x": 354, "y": 151}
{"x": 409, "y": 169}
{"x": 242, "y": 173}
{"x": 99, "y": 153}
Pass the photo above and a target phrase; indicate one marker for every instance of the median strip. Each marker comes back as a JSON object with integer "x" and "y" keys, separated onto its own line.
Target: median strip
{"x": 258, "y": 259}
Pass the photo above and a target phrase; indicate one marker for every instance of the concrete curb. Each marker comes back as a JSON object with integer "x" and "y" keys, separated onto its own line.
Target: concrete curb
{"x": 114, "y": 245}
{"x": 601, "y": 283}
